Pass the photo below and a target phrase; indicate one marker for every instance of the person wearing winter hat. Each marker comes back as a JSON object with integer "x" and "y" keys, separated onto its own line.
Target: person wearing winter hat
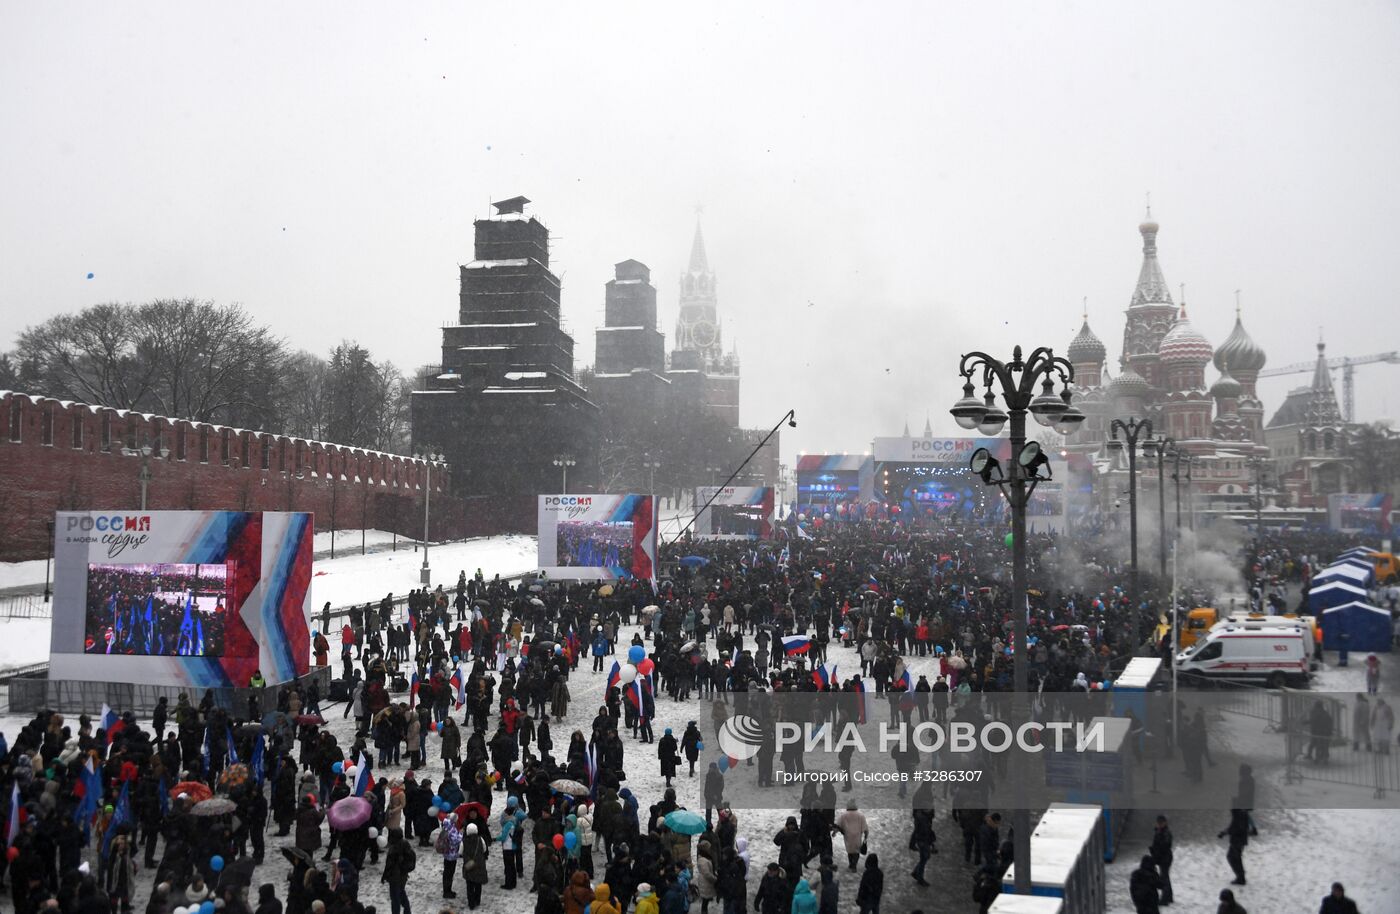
{"x": 473, "y": 864}
{"x": 667, "y": 751}
{"x": 449, "y": 844}
{"x": 647, "y": 902}
{"x": 510, "y": 832}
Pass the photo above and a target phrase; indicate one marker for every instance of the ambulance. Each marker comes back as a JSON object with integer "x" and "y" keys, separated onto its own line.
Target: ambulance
{"x": 1271, "y": 655}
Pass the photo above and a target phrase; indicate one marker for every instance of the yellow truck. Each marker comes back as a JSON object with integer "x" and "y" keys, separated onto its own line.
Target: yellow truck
{"x": 1202, "y": 619}
{"x": 1387, "y": 568}
{"x": 1193, "y": 626}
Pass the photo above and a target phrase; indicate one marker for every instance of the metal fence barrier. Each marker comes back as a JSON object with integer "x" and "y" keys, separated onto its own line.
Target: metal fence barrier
{"x": 1346, "y": 757}
{"x": 29, "y": 694}
{"x": 25, "y": 606}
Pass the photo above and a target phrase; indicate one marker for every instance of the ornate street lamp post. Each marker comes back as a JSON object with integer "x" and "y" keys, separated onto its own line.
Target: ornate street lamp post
{"x": 1164, "y": 447}
{"x": 1016, "y": 380}
{"x": 1133, "y": 430}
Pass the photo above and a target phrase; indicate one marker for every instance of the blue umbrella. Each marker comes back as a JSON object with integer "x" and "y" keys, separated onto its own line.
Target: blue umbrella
{"x": 685, "y": 822}
{"x": 695, "y": 561}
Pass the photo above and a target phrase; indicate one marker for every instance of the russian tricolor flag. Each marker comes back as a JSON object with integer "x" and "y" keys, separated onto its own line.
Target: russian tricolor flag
{"x": 860, "y": 701}
{"x": 796, "y": 644}
{"x": 614, "y": 675}
{"x": 364, "y": 781}
{"x": 111, "y": 723}
{"x": 905, "y": 681}
{"x": 460, "y": 686}
{"x": 413, "y": 689}
{"x": 822, "y": 678}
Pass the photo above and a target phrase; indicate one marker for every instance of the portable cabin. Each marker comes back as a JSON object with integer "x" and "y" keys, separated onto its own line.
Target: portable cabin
{"x": 1066, "y": 859}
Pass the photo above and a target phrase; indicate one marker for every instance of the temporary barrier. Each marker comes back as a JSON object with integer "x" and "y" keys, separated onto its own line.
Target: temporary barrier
{"x": 30, "y": 694}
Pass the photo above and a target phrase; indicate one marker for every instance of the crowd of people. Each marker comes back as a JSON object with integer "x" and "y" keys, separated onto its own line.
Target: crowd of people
{"x": 466, "y": 757}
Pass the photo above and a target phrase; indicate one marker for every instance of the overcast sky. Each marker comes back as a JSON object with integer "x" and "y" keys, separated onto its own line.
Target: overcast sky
{"x": 884, "y": 186}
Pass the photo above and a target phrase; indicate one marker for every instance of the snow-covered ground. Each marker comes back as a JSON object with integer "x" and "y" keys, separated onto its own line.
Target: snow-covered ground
{"x": 1296, "y": 856}
{"x": 362, "y": 578}
{"x": 23, "y": 642}
{"x": 22, "y": 576}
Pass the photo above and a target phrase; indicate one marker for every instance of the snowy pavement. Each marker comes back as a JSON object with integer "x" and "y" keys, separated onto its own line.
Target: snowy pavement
{"x": 1296, "y": 856}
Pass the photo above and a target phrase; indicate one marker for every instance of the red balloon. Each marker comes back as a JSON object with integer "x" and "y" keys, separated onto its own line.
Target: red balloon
{"x": 646, "y": 666}
{"x": 558, "y": 842}
{"x": 13, "y": 853}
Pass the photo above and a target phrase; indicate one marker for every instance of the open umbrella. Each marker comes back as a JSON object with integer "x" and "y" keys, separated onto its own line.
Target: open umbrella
{"x": 694, "y": 561}
{"x": 461, "y": 811}
{"x": 650, "y": 610}
{"x": 274, "y": 719}
{"x": 1059, "y": 628}
{"x": 196, "y": 790}
{"x": 536, "y": 588}
{"x": 688, "y": 646}
{"x": 295, "y": 854}
{"x": 238, "y": 873}
{"x": 536, "y": 601}
{"x": 218, "y": 806}
{"x": 573, "y": 788}
{"x": 685, "y": 822}
{"x": 605, "y": 591}
{"x": 348, "y": 813}
{"x": 313, "y": 719}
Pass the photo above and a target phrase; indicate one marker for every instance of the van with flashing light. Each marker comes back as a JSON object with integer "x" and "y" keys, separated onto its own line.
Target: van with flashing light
{"x": 1274, "y": 656}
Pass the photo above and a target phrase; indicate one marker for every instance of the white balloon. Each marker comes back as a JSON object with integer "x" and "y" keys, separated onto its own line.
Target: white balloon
{"x": 373, "y": 833}
{"x": 350, "y": 772}
{"x": 382, "y": 841}
{"x": 626, "y": 674}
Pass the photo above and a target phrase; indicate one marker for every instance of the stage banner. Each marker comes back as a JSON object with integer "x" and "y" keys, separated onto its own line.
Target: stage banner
{"x": 597, "y": 537}
{"x": 737, "y": 512}
{"x": 184, "y": 598}
{"x": 935, "y": 450}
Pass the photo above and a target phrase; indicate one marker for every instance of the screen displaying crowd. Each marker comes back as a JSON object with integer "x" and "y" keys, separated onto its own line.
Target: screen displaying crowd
{"x": 590, "y": 544}
{"x": 165, "y": 609}
{"x": 736, "y": 520}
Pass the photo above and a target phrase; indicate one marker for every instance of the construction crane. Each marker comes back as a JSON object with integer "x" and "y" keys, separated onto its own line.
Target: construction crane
{"x": 1348, "y": 366}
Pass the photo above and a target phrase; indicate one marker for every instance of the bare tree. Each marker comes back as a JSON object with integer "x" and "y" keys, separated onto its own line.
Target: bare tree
{"x": 91, "y": 356}
{"x": 302, "y": 399}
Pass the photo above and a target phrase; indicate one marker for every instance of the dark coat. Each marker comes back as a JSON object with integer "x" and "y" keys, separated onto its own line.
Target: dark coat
{"x": 872, "y": 883}
{"x": 309, "y": 828}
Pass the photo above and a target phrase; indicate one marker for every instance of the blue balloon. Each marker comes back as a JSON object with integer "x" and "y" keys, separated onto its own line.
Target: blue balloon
{"x": 571, "y": 840}
{"x": 699, "y": 747}
{"x": 207, "y": 908}
{"x": 438, "y": 803}
{"x": 636, "y": 653}
{"x": 338, "y": 767}
{"x": 216, "y": 863}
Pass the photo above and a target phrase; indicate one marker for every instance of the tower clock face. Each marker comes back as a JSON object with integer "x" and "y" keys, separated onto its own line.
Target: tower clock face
{"x": 703, "y": 333}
